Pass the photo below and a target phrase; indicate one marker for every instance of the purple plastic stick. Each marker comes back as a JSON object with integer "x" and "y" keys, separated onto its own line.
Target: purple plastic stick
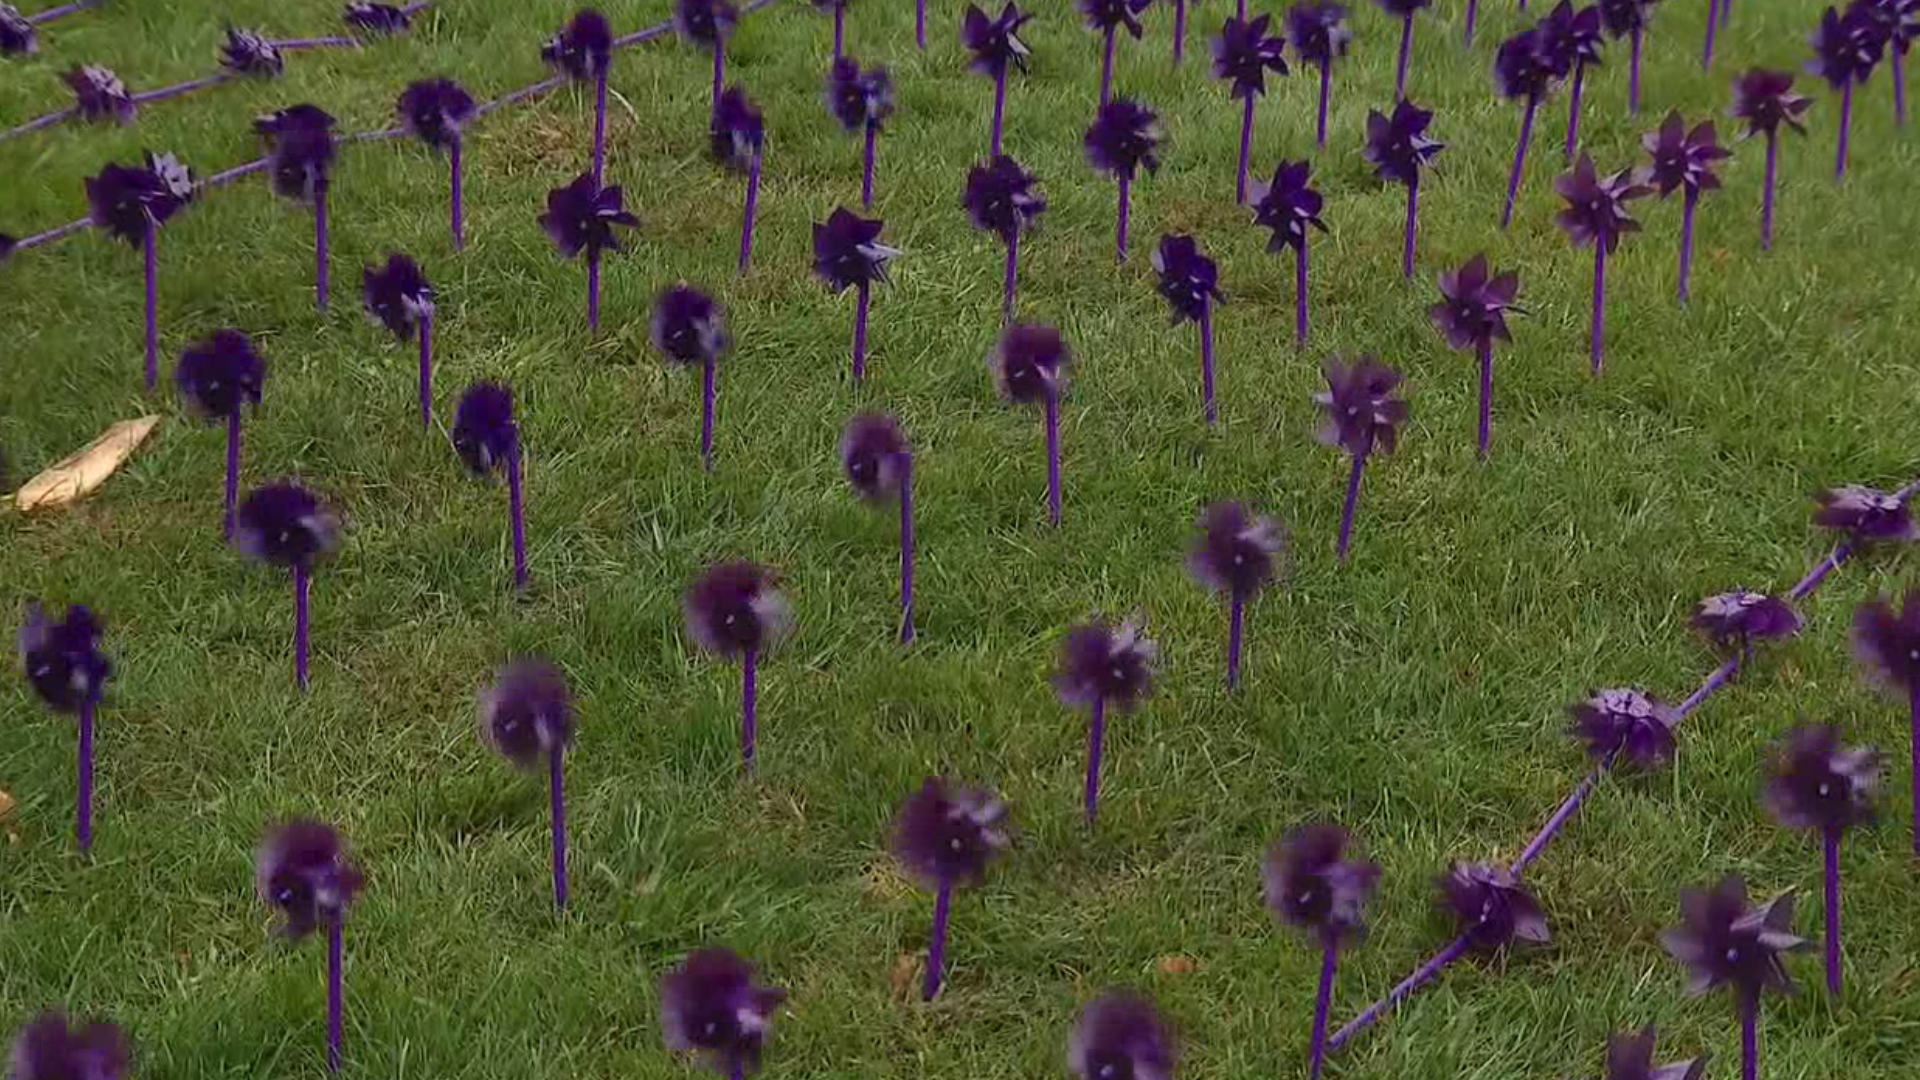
{"x": 1913, "y": 706}
{"x": 1353, "y": 501}
{"x": 1300, "y": 293}
{"x": 1686, "y": 240}
{"x": 1053, "y": 457}
{"x": 1830, "y": 843}
{"x": 336, "y": 931}
{"x": 1246, "y": 150}
{"x": 746, "y": 218}
{"x": 1726, "y": 12}
{"x": 1406, "y": 53}
{"x": 1236, "y": 632}
{"x": 1573, "y": 109}
{"x": 227, "y": 176}
{"x": 999, "y": 110}
{"x": 1206, "y": 359}
{"x": 1750, "y": 1036}
{"x": 149, "y": 260}
{"x": 1846, "y": 128}
{"x": 426, "y": 370}
{"x": 53, "y": 13}
{"x": 295, "y": 44}
{"x": 1096, "y": 740}
{"x": 524, "y": 93}
{"x": 1519, "y": 158}
{"x": 1596, "y": 343}
{"x": 866, "y": 171}
{"x": 839, "y": 29}
{"x": 920, "y": 24}
{"x": 233, "y": 471}
{"x": 1240, "y": 10}
{"x": 1713, "y": 24}
{"x": 1322, "y": 1005}
{"x": 1413, "y": 226}
{"x": 459, "y": 185}
{"x": 1766, "y": 200}
{"x": 179, "y": 89}
{"x": 1473, "y": 17}
{"x": 517, "y": 515}
{"x": 1326, "y": 91}
{"x": 1421, "y": 976}
{"x": 719, "y": 75}
{"x": 83, "y": 808}
{"x": 906, "y": 548}
{"x": 1899, "y": 60}
{"x": 593, "y": 290}
{"x": 1560, "y": 818}
{"x": 1179, "y": 30}
{"x": 1013, "y": 276}
{"x": 937, "y": 948}
{"x": 860, "y": 333}
{"x": 706, "y": 413}
{"x": 302, "y": 586}
{"x": 37, "y": 123}
{"x": 556, "y": 791}
{"x": 321, "y": 269}
{"x": 58, "y": 232}
{"x": 749, "y": 705}
{"x": 1486, "y": 397}
{"x": 1126, "y": 190}
{"x": 600, "y": 127}
{"x": 1106, "y": 70}
{"x": 1638, "y": 39}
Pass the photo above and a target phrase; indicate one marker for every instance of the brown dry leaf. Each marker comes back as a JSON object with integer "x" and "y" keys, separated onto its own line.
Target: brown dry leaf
{"x": 1177, "y": 965}
{"x": 906, "y": 974}
{"x": 82, "y": 472}
{"x": 6, "y": 803}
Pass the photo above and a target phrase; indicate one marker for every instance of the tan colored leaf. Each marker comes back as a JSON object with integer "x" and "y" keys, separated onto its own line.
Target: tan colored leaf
{"x": 1177, "y": 965}
{"x": 6, "y": 803}
{"x": 908, "y": 968}
{"x": 82, "y": 472}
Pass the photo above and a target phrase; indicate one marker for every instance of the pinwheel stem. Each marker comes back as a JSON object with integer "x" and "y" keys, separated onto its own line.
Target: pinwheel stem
{"x": 1637, "y": 41}
{"x": 426, "y": 370}
{"x": 1913, "y": 705}
{"x": 1596, "y": 344}
{"x": 1013, "y": 275}
{"x": 1353, "y": 502}
{"x": 1240, "y": 10}
{"x": 1206, "y": 359}
{"x": 1179, "y": 30}
{"x": 1300, "y": 292}
{"x": 58, "y": 232}
{"x": 1236, "y": 632}
{"x": 1106, "y": 70}
{"x": 83, "y": 806}
{"x": 999, "y": 110}
{"x": 600, "y": 127}
{"x": 516, "y": 512}
{"x": 302, "y": 587}
{"x": 906, "y": 548}
{"x": 920, "y": 24}
{"x": 706, "y": 412}
{"x": 1686, "y": 240}
{"x": 1486, "y": 397}
{"x": 37, "y": 123}
{"x": 1561, "y": 816}
{"x": 860, "y": 332}
{"x": 1830, "y": 845}
{"x": 149, "y": 260}
{"x": 1520, "y": 158}
{"x": 320, "y": 270}
{"x": 459, "y": 189}
{"x": 1749, "y": 1034}
{"x": 227, "y": 176}
{"x": 749, "y": 705}
{"x": 746, "y": 217}
{"x": 937, "y": 947}
{"x": 1322, "y": 1006}
{"x": 233, "y": 472}
{"x": 556, "y": 793}
{"x": 1473, "y": 17}
{"x": 294, "y": 44}
{"x": 1720, "y": 677}
{"x": 1846, "y": 128}
{"x": 180, "y": 89}
{"x": 1246, "y": 150}
{"x": 1053, "y": 457}
{"x": 524, "y": 92}
{"x": 1726, "y": 12}
{"x": 1713, "y": 24}
{"x": 593, "y": 289}
{"x": 1126, "y": 191}
{"x": 839, "y": 29}
{"x": 40, "y": 17}
{"x": 719, "y": 75}
{"x": 1326, "y": 92}
{"x": 336, "y": 932}
{"x": 1766, "y": 199}
{"x": 1406, "y": 53}
{"x": 1899, "y": 72}
{"x": 1096, "y": 740}
{"x": 1421, "y": 976}
{"x": 1413, "y": 226}
{"x": 1573, "y": 109}
{"x": 866, "y": 170}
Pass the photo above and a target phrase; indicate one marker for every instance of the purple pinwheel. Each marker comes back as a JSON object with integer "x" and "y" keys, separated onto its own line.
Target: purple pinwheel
{"x": 1629, "y": 19}
{"x": 1683, "y": 160}
{"x": 583, "y": 50}
{"x": 526, "y": 715}
{"x": 304, "y": 874}
{"x": 1569, "y": 42}
{"x": 1596, "y": 215}
{"x": 739, "y": 136}
{"x": 707, "y": 24}
{"x": 1001, "y": 199}
{"x": 377, "y": 18}
{"x": 996, "y": 48}
{"x": 1104, "y": 664}
{"x": 1899, "y": 25}
{"x": 1106, "y": 17}
{"x": 1320, "y": 35}
{"x": 63, "y": 663}
{"x": 1398, "y": 148}
{"x": 946, "y": 835}
{"x": 879, "y": 465}
{"x": 131, "y": 203}
{"x": 1865, "y": 515}
{"x": 486, "y": 436}
{"x": 1404, "y": 10}
{"x": 435, "y": 111}
{"x": 1887, "y": 643}
{"x": 398, "y": 297}
{"x": 1363, "y": 415}
{"x": 1846, "y": 49}
{"x": 249, "y": 52}
{"x": 1312, "y": 884}
{"x": 1190, "y": 283}
{"x": 1121, "y": 1035}
{"x": 848, "y": 254}
{"x": 218, "y": 378}
{"x": 1733, "y": 621}
{"x": 17, "y": 35}
{"x": 1765, "y": 100}
{"x": 1630, "y": 1057}
{"x": 1287, "y": 206}
{"x": 687, "y": 329}
{"x": 1123, "y": 139}
{"x": 1815, "y": 783}
{"x": 46, "y": 1049}
{"x": 1236, "y": 552}
{"x": 283, "y": 524}
{"x": 98, "y": 96}
{"x": 1723, "y": 942}
{"x": 1030, "y": 367}
{"x": 1492, "y": 907}
{"x": 839, "y": 9}
{"x": 580, "y": 217}
{"x": 300, "y": 153}
{"x": 736, "y": 609}
{"x": 715, "y": 1006}
{"x": 1521, "y": 73}
{"x": 1242, "y": 55}
{"x": 1625, "y": 725}
{"x": 861, "y": 101}
{"x": 1472, "y": 313}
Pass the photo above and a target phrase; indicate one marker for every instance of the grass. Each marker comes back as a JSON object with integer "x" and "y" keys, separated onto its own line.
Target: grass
{"x": 1415, "y": 694}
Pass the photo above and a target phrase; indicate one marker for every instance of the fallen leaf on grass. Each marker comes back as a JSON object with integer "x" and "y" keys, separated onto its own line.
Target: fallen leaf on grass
{"x": 82, "y": 472}
{"x": 6, "y": 804}
{"x": 1177, "y": 965}
{"x": 906, "y": 974}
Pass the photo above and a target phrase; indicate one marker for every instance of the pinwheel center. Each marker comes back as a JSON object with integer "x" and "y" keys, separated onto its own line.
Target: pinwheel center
{"x": 1733, "y": 955}
{"x": 1826, "y": 789}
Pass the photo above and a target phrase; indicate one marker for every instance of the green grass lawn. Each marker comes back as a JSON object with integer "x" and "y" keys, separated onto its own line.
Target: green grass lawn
{"x": 1415, "y": 695}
